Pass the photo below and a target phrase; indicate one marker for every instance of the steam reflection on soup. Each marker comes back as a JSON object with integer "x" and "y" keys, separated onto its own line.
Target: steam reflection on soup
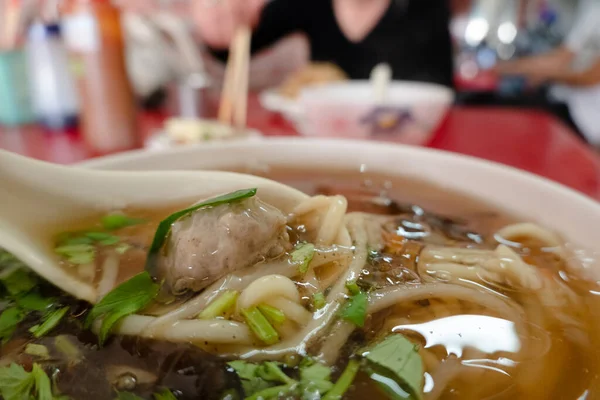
{"x": 363, "y": 291}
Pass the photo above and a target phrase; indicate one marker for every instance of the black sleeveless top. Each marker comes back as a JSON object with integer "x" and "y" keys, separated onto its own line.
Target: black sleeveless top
{"x": 412, "y": 37}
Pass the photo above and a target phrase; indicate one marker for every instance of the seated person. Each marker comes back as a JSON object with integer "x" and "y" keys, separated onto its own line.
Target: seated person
{"x": 412, "y": 36}
{"x": 573, "y": 69}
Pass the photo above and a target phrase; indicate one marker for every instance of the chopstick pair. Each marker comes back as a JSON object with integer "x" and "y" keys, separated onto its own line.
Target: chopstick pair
{"x": 234, "y": 96}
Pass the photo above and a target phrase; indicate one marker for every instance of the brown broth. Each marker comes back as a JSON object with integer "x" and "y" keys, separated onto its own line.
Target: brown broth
{"x": 483, "y": 344}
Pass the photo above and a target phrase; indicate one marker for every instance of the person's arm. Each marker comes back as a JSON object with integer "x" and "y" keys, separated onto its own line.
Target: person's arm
{"x": 587, "y": 77}
{"x": 277, "y": 19}
{"x": 559, "y": 59}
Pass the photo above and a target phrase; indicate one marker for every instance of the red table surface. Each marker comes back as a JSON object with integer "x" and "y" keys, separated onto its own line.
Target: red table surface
{"x": 525, "y": 139}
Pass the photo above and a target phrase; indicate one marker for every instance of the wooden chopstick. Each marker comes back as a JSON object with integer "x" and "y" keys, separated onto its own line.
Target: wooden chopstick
{"x": 234, "y": 96}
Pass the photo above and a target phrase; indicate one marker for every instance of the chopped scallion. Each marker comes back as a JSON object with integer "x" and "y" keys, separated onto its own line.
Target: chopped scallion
{"x": 105, "y": 239}
{"x": 261, "y": 327}
{"x": 117, "y": 221}
{"x": 352, "y": 287}
{"x": 271, "y": 393}
{"x": 318, "y": 300}
{"x": 50, "y": 322}
{"x": 343, "y": 383}
{"x": 220, "y": 306}
{"x": 303, "y": 254}
{"x": 274, "y": 315}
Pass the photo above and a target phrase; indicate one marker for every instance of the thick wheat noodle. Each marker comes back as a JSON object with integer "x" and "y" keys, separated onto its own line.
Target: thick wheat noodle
{"x": 241, "y": 280}
{"x": 194, "y": 306}
{"x": 188, "y": 331}
{"x": 522, "y": 230}
{"x": 333, "y": 221}
{"x": 382, "y": 299}
{"x": 334, "y": 271}
{"x": 110, "y": 272}
{"x": 334, "y": 341}
{"x": 387, "y": 297}
{"x": 324, "y": 317}
{"x": 451, "y": 264}
{"x": 292, "y": 310}
{"x": 310, "y": 205}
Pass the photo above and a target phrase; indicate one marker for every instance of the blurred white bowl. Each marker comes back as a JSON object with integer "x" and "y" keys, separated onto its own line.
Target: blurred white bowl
{"x": 410, "y": 114}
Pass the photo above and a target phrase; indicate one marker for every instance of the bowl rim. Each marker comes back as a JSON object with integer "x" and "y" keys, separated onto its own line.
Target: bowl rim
{"x": 527, "y": 196}
{"x": 423, "y": 90}
{"x": 108, "y": 161}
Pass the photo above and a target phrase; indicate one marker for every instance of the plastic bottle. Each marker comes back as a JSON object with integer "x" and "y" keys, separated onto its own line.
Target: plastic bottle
{"x": 52, "y": 87}
{"x": 92, "y": 31}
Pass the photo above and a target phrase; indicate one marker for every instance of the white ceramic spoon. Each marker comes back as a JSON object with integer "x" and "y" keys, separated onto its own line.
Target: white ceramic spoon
{"x": 381, "y": 76}
{"x": 38, "y": 198}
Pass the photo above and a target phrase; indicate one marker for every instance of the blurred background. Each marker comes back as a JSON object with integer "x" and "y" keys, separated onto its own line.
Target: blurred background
{"x": 117, "y": 75}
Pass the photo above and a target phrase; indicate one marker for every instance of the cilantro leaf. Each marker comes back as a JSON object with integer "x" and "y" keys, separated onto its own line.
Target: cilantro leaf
{"x": 303, "y": 254}
{"x": 355, "y": 310}
{"x": 398, "y": 358}
{"x": 9, "y": 320}
{"x": 247, "y": 372}
{"x": 34, "y": 302}
{"x": 315, "y": 380}
{"x": 19, "y": 281}
{"x": 163, "y": 229}
{"x": 18, "y": 384}
{"x": 126, "y": 299}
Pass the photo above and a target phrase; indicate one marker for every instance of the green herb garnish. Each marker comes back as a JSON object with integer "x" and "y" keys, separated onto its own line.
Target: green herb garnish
{"x": 344, "y": 382}
{"x": 397, "y": 359}
{"x": 318, "y": 300}
{"x": 303, "y": 254}
{"x": 251, "y": 382}
{"x": 9, "y": 320}
{"x": 126, "y": 299}
{"x": 18, "y": 384}
{"x": 113, "y": 222}
{"x": 18, "y": 282}
{"x": 352, "y": 287}
{"x": 220, "y": 306}
{"x": 265, "y": 380}
{"x": 355, "y": 310}
{"x": 50, "y": 322}
{"x": 103, "y": 238}
{"x": 315, "y": 379}
{"x": 261, "y": 327}
{"x": 164, "y": 228}
{"x": 79, "y": 254}
{"x": 165, "y": 394}
{"x": 274, "y": 315}
{"x": 34, "y": 302}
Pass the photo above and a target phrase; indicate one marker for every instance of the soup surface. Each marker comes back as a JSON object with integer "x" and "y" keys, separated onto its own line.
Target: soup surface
{"x": 374, "y": 288}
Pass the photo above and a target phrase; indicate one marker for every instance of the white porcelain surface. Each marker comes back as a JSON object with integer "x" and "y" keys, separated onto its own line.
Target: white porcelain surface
{"x": 574, "y": 215}
{"x": 39, "y": 198}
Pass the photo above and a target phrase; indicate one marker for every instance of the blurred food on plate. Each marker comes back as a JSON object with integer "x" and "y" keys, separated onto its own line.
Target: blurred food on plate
{"x": 311, "y": 75}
